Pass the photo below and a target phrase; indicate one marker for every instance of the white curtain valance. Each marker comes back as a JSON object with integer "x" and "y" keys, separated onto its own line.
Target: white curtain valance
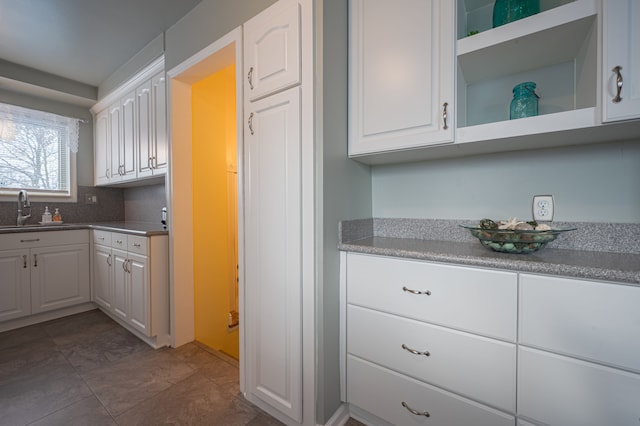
{"x": 11, "y": 114}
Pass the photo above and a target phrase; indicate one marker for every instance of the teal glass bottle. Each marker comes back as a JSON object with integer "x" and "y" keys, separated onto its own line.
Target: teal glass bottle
{"x": 524, "y": 102}
{"x": 505, "y": 11}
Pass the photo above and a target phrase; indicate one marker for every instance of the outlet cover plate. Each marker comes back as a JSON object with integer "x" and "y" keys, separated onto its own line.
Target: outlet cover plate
{"x": 542, "y": 208}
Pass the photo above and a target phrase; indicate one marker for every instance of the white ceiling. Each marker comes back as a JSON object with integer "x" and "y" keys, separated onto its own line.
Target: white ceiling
{"x": 82, "y": 40}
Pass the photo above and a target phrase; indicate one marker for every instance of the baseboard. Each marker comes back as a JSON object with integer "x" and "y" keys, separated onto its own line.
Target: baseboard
{"x": 46, "y": 316}
{"x": 340, "y": 417}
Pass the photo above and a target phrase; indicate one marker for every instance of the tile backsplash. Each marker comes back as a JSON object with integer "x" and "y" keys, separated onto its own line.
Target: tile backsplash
{"x": 140, "y": 204}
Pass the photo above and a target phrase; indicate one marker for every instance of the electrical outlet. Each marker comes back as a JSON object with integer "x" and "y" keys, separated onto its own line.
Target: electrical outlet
{"x": 543, "y": 208}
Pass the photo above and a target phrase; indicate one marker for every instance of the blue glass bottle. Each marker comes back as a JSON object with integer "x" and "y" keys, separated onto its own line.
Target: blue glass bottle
{"x": 524, "y": 102}
{"x": 505, "y": 11}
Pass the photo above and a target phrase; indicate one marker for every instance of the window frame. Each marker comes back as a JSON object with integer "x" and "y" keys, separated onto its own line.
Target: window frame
{"x": 39, "y": 195}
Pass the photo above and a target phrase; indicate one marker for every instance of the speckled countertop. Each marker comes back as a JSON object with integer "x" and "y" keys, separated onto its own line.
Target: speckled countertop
{"x": 135, "y": 228}
{"x": 609, "y": 257}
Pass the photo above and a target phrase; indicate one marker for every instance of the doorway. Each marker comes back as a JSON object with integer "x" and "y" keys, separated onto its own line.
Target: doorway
{"x": 205, "y": 193}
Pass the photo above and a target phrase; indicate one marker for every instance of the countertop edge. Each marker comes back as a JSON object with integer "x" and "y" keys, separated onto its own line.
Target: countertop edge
{"x": 487, "y": 259}
{"x": 125, "y": 228}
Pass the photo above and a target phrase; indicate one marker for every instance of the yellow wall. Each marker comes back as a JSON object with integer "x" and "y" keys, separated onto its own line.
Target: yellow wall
{"x": 214, "y": 139}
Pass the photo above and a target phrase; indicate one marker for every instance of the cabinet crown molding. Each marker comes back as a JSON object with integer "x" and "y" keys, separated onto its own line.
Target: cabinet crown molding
{"x": 146, "y": 73}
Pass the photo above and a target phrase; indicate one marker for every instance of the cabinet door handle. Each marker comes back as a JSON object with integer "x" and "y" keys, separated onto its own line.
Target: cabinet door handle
{"x": 250, "y": 78}
{"x": 415, "y": 412}
{"x": 24, "y": 259}
{"x": 109, "y": 260}
{"x": 619, "y": 82}
{"x": 35, "y": 260}
{"x": 444, "y": 115}
{"x": 124, "y": 265}
{"x": 250, "y": 122}
{"x": 415, "y": 352}
{"x": 106, "y": 173}
{"x": 408, "y": 290}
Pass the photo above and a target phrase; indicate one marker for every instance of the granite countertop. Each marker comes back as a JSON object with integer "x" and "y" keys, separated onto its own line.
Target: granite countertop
{"x": 136, "y": 228}
{"x": 385, "y": 240}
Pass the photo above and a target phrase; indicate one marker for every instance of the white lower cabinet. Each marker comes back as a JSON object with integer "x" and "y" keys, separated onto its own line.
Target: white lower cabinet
{"x": 559, "y": 390}
{"x": 420, "y": 337}
{"x": 416, "y": 342}
{"x": 401, "y": 400}
{"x": 131, "y": 282}
{"x": 43, "y": 272}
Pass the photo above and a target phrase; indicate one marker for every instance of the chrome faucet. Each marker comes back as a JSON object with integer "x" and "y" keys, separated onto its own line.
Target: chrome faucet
{"x": 23, "y": 203}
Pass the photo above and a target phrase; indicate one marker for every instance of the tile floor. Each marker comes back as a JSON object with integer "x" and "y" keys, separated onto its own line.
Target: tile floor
{"x": 87, "y": 370}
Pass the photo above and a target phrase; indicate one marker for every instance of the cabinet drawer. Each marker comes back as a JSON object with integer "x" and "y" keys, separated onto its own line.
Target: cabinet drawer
{"x": 476, "y": 300}
{"x": 382, "y": 392}
{"x": 477, "y": 367}
{"x": 558, "y": 390}
{"x": 119, "y": 241}
{"x": 102, "y": 237}
{"x": 596, "y": 321}
{"x": 137, "y": 244}
{"x": 43, "y": 239}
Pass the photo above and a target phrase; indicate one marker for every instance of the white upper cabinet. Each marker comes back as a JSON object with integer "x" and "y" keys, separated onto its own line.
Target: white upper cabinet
{"x": 401, "y": 74}
{"x": 272, "y": 50}
{"x": 569, "y": 50}
{"x": 102, "y": 149}
{"x": 621, "y": 63}
{"x": 495, "y": 60}
{"x": 131, "y": 129}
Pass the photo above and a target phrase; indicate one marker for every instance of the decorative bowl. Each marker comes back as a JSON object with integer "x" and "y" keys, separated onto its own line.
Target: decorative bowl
{"x": 514, "y": 240}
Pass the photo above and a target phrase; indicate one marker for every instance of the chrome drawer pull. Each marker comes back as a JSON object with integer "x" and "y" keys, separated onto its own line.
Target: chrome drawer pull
{"x": 415, "y": 412}
{"x": 137, "y": 245}
{"x": 408, "y": 290}
{"x": 32, "y": 240}
{"x": 415, "y": 352}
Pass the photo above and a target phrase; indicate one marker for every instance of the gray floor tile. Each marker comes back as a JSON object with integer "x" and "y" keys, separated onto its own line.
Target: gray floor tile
{"x": 76, "y": 328}
{"x": 136, "y": 378}
{"x": 37, "y": 395}
{"x": 100, "y": 350}
{"x": 30, "y": 334}
{"x": 193, "y": 401}
{"x": 85, "y": 412}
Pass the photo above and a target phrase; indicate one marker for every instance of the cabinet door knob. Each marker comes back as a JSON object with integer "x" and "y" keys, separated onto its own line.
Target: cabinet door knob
{"x": 414, "y": 351}
{"x": 444, "y": 115}
{"x": 619, "y": 82}
{"x": 408, "y": 290}
{"x": 415, "y": 412}
{"x": 250, "y": 78}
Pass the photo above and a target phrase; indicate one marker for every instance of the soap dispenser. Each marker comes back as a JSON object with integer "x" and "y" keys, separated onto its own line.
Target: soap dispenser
{"x": 46, "y": 216}
{"x": 57, "y": 217}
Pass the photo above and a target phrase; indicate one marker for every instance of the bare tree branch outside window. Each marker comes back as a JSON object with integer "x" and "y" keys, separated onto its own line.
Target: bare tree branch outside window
{"x": 32, "y": 156}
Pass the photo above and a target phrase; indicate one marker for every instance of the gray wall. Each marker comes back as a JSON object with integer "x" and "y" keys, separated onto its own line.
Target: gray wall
{"x": 206, "y": 23}
{"x": 346, "y": 195}
{"x": 591, "y": 183}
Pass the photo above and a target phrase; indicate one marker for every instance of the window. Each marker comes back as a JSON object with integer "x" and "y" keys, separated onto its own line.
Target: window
{"x": 37, "y": 153}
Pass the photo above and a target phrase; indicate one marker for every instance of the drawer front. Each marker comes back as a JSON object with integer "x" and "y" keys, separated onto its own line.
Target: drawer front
{"x": 473, "y": 366}
{"x": 382, "y": 392}
{"x": 475, "y": 300}
{"x": 595, "y": 321}
{"x": 558, "y": 390}
{"x": 43, "y": 239}
{"x": 119, "y": 241}
{"x": 137, "y": 244}
{"x": 102, "y": 237}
